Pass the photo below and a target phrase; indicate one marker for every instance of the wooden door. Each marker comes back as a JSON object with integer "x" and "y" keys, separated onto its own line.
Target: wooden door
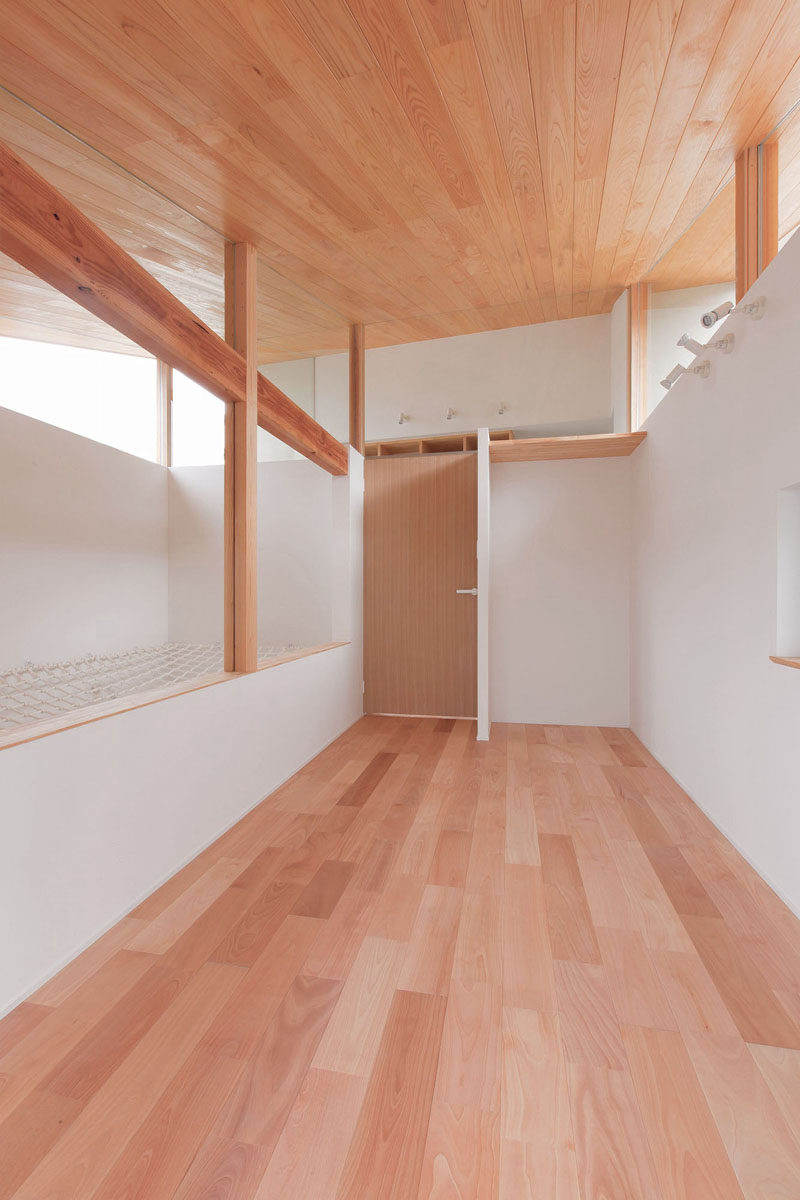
{"x": 420, "y": 533}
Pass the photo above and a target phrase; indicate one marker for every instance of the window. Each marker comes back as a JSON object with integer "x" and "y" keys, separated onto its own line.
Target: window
{"x": 108, "y": 397}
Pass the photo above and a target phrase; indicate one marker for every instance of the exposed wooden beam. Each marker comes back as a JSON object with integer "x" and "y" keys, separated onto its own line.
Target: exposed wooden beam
{"x": 589, "y": 445}
{"x": 241, "y": 465}
{"x": 164, "y": 413}
{"x": 638, "y": 305}
{"x": 45, "y": 233}
{"x": 357, "y": 411}
{"x": 281, "y": 416}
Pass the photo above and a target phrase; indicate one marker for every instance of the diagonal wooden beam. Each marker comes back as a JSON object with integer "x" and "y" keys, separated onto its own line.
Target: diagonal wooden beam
{"x": 45, "y": 233}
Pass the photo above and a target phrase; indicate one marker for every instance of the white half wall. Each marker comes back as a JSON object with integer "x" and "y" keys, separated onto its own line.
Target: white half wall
{"x": 295, "y": 553}
{"x": 555, "y": 373}
{"x": 83, "y": 546}
{"x": 560, "y": 579}
{"x": 95, "y": 818}
{"x": 706, "y": 700}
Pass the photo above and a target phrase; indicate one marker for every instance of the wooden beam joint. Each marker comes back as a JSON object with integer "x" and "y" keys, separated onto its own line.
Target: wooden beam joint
{"x": 45, "y": 233}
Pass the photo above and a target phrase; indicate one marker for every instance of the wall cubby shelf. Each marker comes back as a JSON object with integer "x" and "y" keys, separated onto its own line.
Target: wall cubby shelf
{"x": 449, "y": 443}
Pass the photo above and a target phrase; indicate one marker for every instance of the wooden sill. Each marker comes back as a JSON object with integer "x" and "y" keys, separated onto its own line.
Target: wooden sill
{"x": 785, "y": 662}
{"x": 280, "y": 659}
{"x": 589, "y": 445}
{"x": 123, "y": 704}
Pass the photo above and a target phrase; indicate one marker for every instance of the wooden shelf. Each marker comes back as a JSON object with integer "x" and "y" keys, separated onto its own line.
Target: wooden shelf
{"x": 593, "y": 445}
{"x": 446, "y": 443}
{"x": 785, "y": 662}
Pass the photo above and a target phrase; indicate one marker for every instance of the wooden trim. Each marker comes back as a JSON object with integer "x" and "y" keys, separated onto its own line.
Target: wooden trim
{"x": 49, "y": 236}
{"x": 785, "y": 662}
{"x": 241, "y": 465}
{"x": 107, "y": 708}
{"x": 164, "y": 414}
{"x": 590, "y": 445}
{"x": 638, "y": 306}
{"x": 293, "y": 655}
{"x": 115, "y": 708}
{"x": 357, "y": 369}
{"x": 746, "y": 220}
{"x": 767, "y": 203}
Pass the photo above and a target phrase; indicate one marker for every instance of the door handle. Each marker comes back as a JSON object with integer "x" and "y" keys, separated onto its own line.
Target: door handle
{"x": 466, "y": 591}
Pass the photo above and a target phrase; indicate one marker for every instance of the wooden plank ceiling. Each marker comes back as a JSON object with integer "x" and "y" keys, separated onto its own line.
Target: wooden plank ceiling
{"x": 426, "y": 167}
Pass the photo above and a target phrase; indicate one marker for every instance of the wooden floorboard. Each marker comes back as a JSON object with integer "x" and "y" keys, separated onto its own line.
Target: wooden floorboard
{"x": 425, "y": 968}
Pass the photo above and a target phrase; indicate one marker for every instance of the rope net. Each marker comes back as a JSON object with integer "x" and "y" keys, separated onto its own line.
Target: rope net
{"x": 37, "y": 691}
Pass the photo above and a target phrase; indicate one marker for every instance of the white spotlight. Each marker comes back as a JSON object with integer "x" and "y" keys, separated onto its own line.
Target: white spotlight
{"x": 673, "y": 376}
{"x": 402, "y": 418}
{"x": 710, "y": 318}
{"x": 451, "y": 412}
{"x": 689, "y": 343}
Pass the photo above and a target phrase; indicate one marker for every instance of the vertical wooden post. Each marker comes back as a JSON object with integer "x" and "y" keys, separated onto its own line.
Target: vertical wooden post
{"x": 756, "y": 213}
{"x": 357, "y": 417}
{"x": 638, "y": 304}
{"x": 164, "y": 413}
{"x": 241, "y": 428}
{"x": 768, "y": 202}
{"x": 746, "y": 220}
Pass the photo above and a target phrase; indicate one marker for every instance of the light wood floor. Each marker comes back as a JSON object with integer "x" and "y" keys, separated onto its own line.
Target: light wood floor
{"x": 428, "y": 968}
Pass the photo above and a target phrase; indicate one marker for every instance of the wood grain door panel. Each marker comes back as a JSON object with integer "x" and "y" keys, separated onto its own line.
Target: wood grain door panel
{"x": 420, "y": 534}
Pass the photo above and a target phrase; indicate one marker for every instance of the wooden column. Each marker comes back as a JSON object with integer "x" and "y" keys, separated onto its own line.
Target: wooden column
{"x": 164, "y": 413}
{"x": 357, "y": 435}
{"x": 638, "y": 304}
{"x": 241, "y": 427}
{"x": 768, "y": 202}
{"x": 756, "y": 213}
{"x": 746, "y": 220}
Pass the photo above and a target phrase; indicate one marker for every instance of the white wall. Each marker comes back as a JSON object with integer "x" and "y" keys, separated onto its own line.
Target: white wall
{"x": 95, "y": 818}
{"x": 295, "y": 553}
{"x": 560, "y": 577}
{"x": 550, "y": 374}
{"x": 83, "y": 545}
{"x": 706, "y": 700}
{"x": 670, "y": 315}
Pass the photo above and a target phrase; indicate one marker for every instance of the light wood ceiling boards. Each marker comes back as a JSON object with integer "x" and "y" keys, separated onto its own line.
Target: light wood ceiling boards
{"x": 184, "y": 254}
{"x": 426, "y": 167}
{"x": 707, "y": 251}
{"x": 788, "y": 138}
